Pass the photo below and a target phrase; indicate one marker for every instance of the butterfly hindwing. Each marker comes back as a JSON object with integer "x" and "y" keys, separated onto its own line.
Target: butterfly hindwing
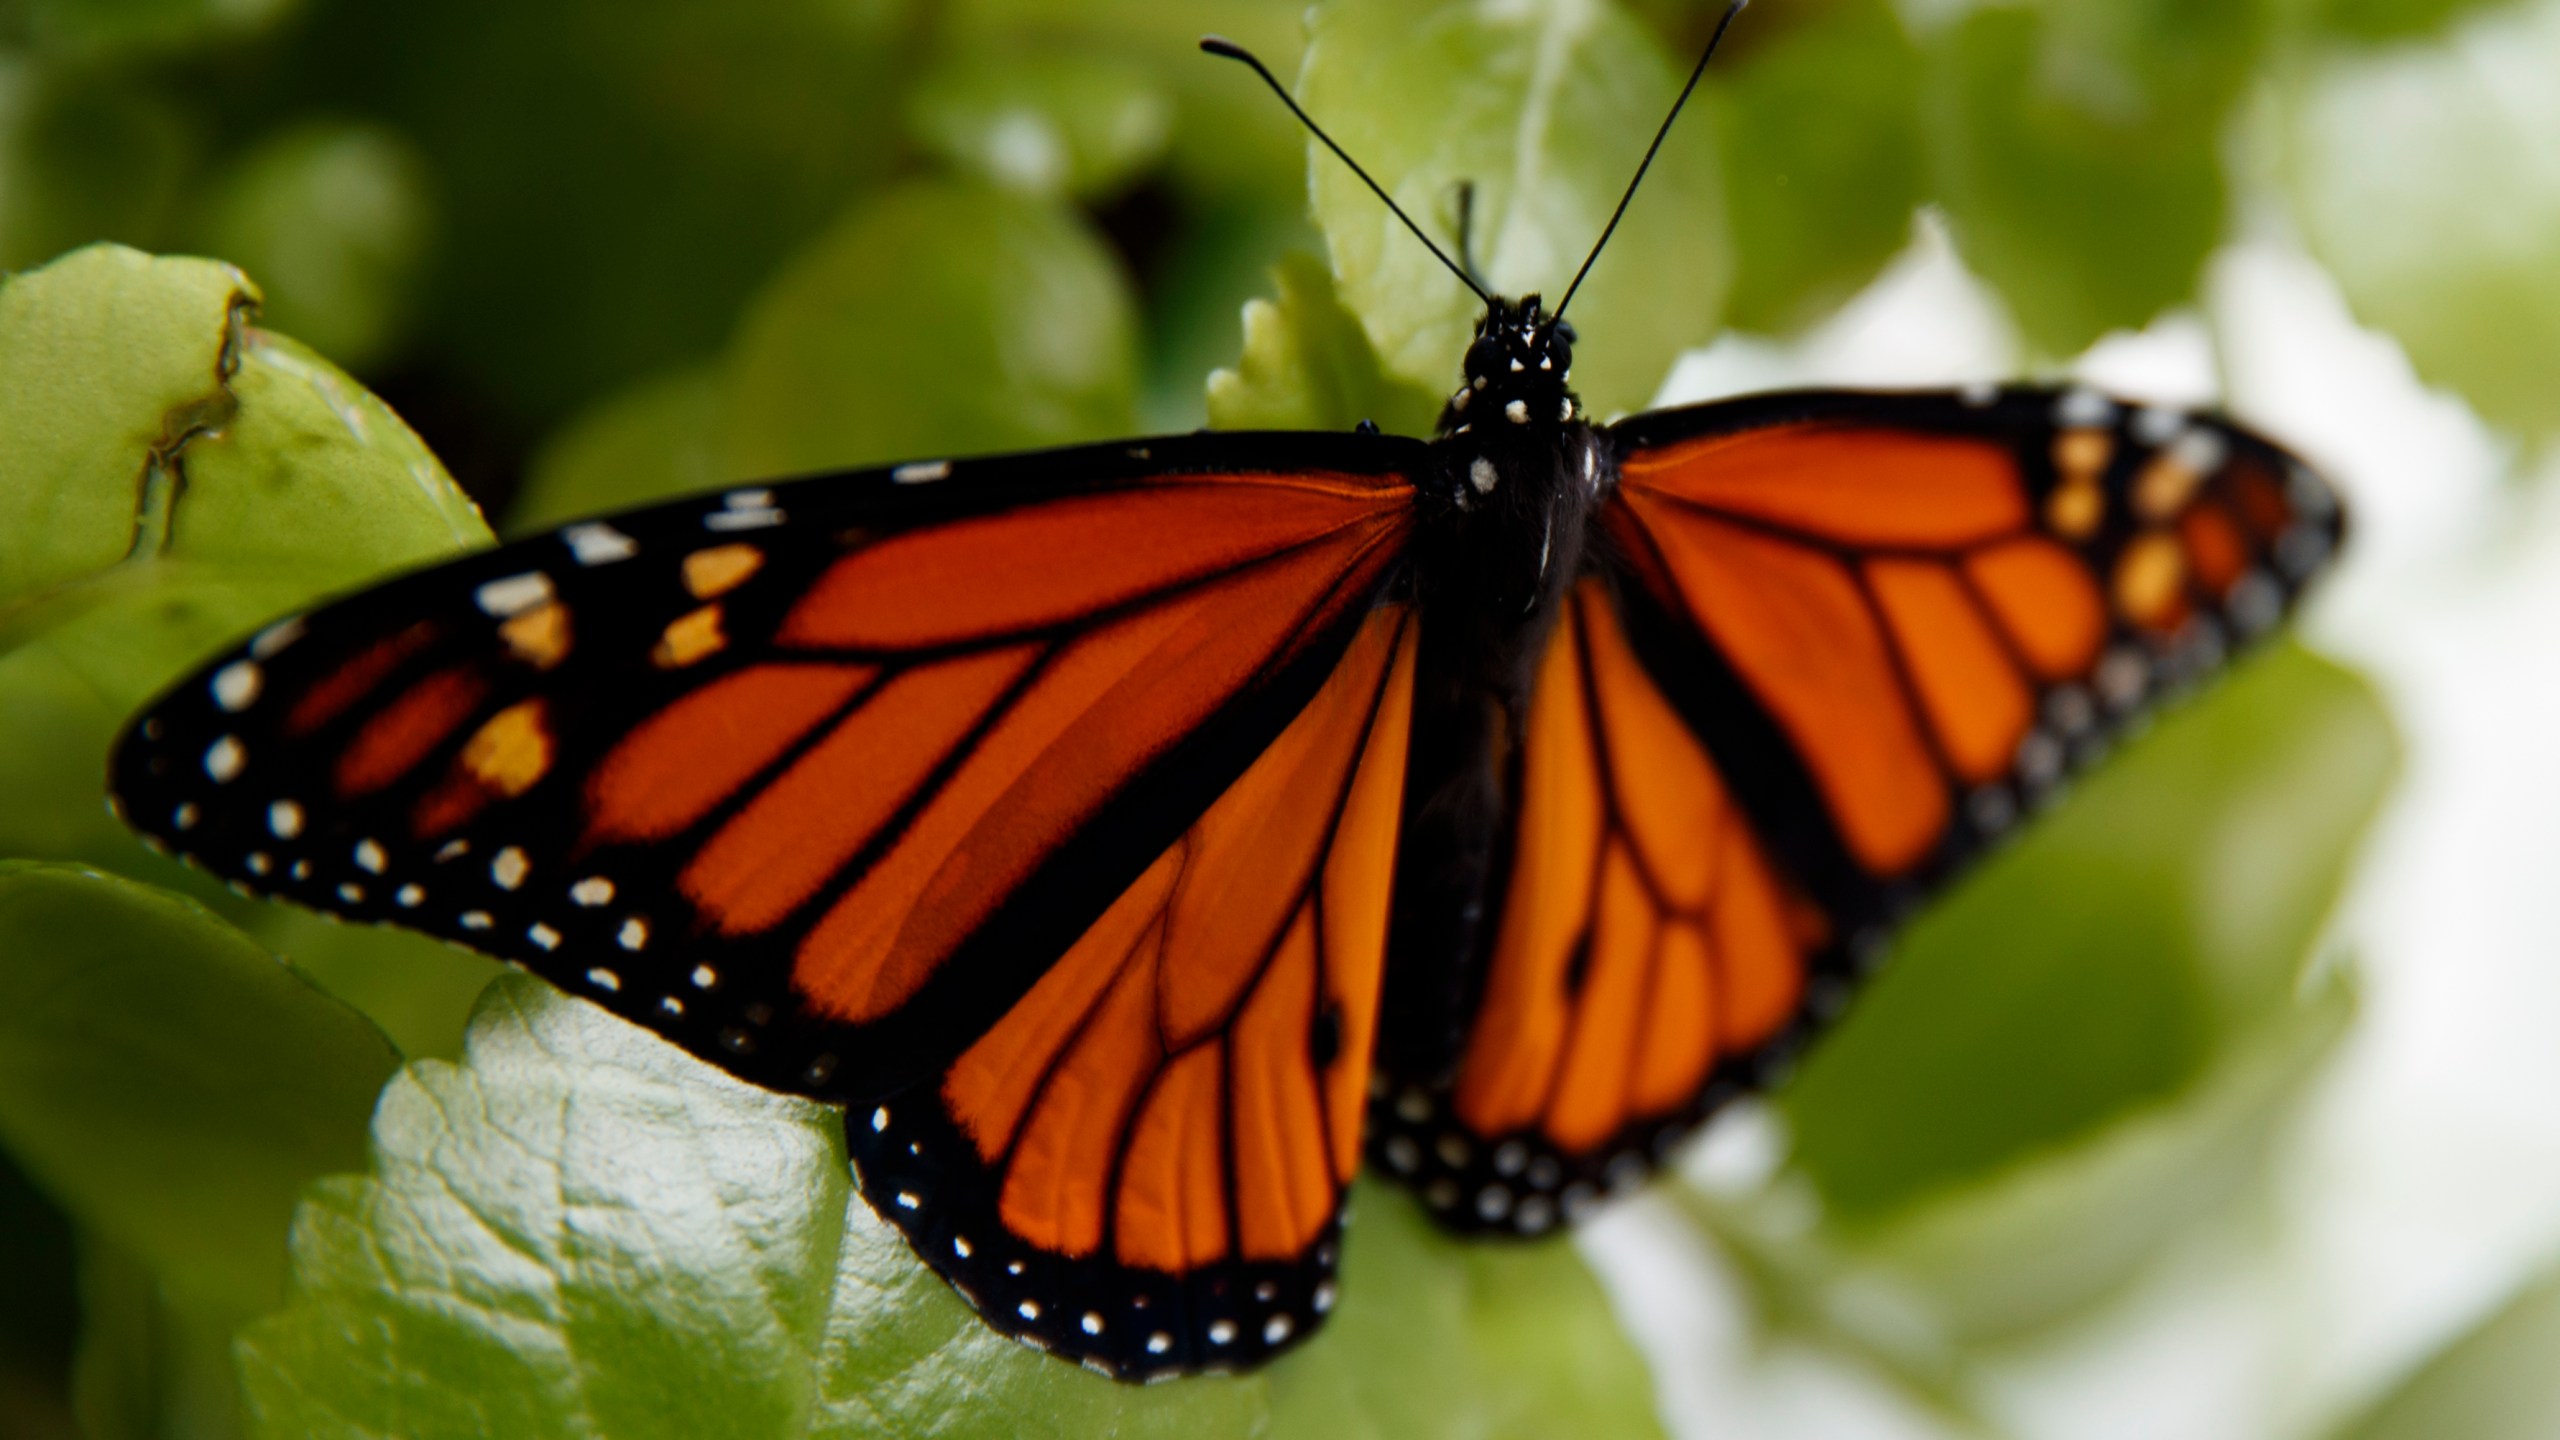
{"x": 816, "y": 778}
{"x": 1142, "y": 1164}
{"x": 1647, "y": 956}
{"x": 1834, "y": 646}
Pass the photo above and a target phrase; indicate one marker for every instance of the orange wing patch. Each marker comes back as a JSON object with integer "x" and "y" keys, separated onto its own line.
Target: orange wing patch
{"x": 1181, "y": 1094}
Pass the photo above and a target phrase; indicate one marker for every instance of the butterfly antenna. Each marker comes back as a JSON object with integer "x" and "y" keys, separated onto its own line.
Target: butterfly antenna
{"x": 1641, "y": 166}
{"x": 1233, "y": 51}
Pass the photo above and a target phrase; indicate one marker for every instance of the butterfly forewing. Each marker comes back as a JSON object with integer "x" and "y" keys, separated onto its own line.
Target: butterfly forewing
{"x": 817, "y": 778}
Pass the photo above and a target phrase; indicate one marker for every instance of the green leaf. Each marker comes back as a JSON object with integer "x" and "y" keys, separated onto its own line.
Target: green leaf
{"x": 148, "y": 1369}
{"x": 335, "y": 217}
{"x": 1818, "y": 208}
{"x": 1307, "y": 365}
{"x": 2103, "y": 962}
{"x": 656, "y": 440}
{"x": 2494, "y": 1383}
{"x": 90, "y": 28}
{"x": 2387, "y": 20}
{"x": 1217, "y": 258}
{"x": 581, "y": 1230}
{"x": 2076, "y": 150}
{"x": 108, "y": 358}
{"x": 612, "y": 181}
{"x": 174, "y": 479}
{"x": 1545, "y": 106}
{"x": 2423, "y": 178}
{"x": 934, "y": 319}
{"x": 419, "y": 990}
{"x": 83, "y": 156}
{"x": 1050, "y": 122}
{"x": 2060, "y": 1228}
{"x": 1439, "y": 1336}
{"x": 170, "y": 1082}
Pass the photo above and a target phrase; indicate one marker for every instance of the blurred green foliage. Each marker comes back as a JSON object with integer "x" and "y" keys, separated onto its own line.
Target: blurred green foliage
{"x": 599, "y": 254}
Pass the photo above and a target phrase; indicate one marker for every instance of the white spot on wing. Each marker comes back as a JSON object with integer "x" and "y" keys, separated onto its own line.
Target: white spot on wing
{"x": 634, "y": 934}
{"x": 746, "y": 510}
{"x": 223, "y": 759}
{"x": 2199, "y": 450}
{"x": 921, "y": 471}
{"x": 285, "y": 819}
{"x": 599, "y": 544}
{"x": 514, "y": 594}
{"x": 275, "y": 637}
{"x": 1482, "y": 475}
{"x": 509, "y": 868}
{"x": 369, "y": 856}
{"x": 235, "y": 686}
{"x": 593, "y": 891}
{"x": 2081, "y": 406}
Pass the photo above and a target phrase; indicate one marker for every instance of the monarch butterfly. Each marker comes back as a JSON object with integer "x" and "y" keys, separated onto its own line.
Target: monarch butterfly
{"x": 1136, "y": 837}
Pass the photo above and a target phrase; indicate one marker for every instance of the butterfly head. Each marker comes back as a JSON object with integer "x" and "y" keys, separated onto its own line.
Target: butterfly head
{"x": 1515, "y": 374}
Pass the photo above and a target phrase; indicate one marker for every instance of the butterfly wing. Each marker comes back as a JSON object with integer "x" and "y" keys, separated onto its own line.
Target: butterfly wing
{"x": 815, "y": 779}
{"x": 1834, "y": 646}
{"x": 1042, "y": 806}
{"x": 1142, "y": 1164}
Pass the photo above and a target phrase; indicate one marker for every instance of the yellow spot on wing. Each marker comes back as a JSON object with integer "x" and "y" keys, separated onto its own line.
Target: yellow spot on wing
{"x": 2164, "y": 486}
{"x": 2075, "y": 509}
{"x": 720, "y": 569}
{"x": 511, "y": 750}
{"x": 2080, "y": 454}
{"x": 689, "y": 638}
{"x": 2148, "y": 577}
{"x": 539, "y": 636}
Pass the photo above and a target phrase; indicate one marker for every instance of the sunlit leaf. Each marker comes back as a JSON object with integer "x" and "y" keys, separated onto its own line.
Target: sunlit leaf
{"x": 176, "y": 478}
{"x": 2493, "y": 1383}
{"x": 890, "y": 338}
{"x": 1545, "y": 108}
{"x": 1307, "y": 365}
{"x": 1818, "y": 206}
{"x": 580, "y": 1229}
{"x": 2427, "y": 179}
{"x": 1049, "y": 122}
{"x": 2076, "y": 149}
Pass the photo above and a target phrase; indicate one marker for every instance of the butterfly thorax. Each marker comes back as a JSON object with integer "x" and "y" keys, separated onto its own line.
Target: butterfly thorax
{"x": 1516, "y": 472}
